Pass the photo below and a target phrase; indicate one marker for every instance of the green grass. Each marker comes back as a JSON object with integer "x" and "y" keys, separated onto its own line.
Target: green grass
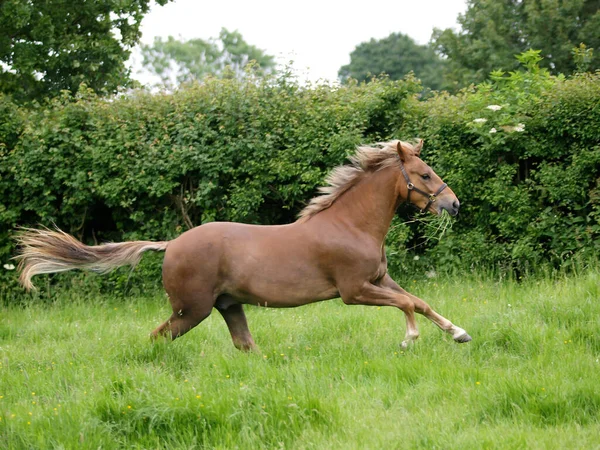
{"x": 81, "y": 373}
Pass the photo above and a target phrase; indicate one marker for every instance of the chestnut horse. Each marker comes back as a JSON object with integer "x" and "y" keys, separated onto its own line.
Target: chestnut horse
{"x": 335, "y": 249}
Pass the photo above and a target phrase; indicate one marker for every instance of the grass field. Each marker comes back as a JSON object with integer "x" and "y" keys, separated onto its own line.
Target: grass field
{"x": 82, "y": 373}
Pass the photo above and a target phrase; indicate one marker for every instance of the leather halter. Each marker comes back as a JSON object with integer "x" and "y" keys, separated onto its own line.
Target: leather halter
{"x": 411, "y": 187}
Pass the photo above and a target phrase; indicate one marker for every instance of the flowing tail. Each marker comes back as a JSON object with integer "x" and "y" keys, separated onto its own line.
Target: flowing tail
{"x": 49, "y": 251}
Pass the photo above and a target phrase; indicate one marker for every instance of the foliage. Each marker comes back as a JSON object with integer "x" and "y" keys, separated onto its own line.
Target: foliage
{"x": 583, "y": 57}
{"x": 492, "y": 31}
{"x": 47, "y": 46}
{"x": 186, "y": 61}
{"x": 396, "y": 55}
{"x": 77, "y": 370}
{"x": 522, "y": 152}
{"x": 154, "y": 165}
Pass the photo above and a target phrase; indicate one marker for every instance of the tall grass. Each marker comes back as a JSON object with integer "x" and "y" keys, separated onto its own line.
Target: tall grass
{"x": 80, "y": 372}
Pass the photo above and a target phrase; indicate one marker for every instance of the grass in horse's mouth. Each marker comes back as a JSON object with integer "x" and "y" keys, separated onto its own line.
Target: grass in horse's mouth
{"x": 435, "y": 226}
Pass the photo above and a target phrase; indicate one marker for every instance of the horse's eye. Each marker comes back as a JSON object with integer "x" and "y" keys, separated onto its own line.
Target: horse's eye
{"x": 425, "y": 177}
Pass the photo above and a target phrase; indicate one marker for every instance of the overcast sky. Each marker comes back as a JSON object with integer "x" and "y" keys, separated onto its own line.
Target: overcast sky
{"x": 317, "y": 35}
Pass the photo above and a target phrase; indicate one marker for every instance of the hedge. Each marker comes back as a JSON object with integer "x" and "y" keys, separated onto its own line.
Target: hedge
{"x": 530, "y": 190}
{"x": 152, "y": 165}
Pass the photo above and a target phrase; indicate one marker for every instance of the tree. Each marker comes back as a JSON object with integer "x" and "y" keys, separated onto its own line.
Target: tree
{"x": 50, "y": 45}
{"x": 185, "y": 61}
{"x": 396, "y": 56}
{"x": 493, "y": 31}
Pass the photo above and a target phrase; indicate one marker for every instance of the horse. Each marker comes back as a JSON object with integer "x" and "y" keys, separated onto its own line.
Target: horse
{"x": 335, "y": 249}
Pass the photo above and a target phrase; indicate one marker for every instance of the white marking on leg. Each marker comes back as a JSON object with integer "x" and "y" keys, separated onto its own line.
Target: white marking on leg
{"x": 408, "y": 340}
{"x": 456, "y": 332}
{"x": 412, "y": 334}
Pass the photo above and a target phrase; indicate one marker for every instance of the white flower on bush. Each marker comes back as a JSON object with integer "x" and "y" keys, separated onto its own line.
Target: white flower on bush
{"x": 480, "y": 120}
{"x": 493, "y": 130}
{"x": 9, "y": 266}
{"x": 510, "y": 129}
{"x": 494, "y": 107}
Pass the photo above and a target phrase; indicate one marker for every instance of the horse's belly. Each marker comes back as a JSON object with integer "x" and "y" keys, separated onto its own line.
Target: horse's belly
{"x": 288, "y": 300}
{"x": 282, "y": 286}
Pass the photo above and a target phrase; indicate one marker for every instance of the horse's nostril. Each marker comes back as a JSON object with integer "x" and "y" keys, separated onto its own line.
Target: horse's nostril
{"x": 456, "y": 204}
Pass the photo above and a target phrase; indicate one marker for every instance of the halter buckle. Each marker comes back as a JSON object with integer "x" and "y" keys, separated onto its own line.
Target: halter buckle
{"x": 432, "y": 198}
{"x": 410, "y": 186}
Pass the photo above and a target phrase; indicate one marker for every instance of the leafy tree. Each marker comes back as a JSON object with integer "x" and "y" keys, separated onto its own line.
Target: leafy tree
{"x": 396, "y": 56}
{"x": 50, "y": 45}
{"x": 194, "y": 59}
{"x": 492, "y": 31}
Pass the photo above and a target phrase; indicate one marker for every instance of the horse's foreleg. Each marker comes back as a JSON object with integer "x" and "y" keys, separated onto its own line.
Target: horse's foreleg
{"x": 372, "y": 295}
{"x": 458, "y": 334}
{"x": 238, "y": 327}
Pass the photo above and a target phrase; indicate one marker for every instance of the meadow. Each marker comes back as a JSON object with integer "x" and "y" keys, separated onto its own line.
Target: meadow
{"x": 78, "y": 371}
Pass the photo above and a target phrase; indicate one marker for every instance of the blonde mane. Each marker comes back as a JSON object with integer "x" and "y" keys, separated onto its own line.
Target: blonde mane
{"x": 342, "y": 178}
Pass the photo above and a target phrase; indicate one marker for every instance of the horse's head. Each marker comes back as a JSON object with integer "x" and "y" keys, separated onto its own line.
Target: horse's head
{"x": 420, "y": 185}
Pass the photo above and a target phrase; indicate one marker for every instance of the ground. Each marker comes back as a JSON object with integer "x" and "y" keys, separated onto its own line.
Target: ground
{"x": 80, "y": 372}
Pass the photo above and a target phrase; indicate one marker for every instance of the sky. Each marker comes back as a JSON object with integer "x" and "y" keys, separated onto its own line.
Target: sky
{"x": 318, "y": 36}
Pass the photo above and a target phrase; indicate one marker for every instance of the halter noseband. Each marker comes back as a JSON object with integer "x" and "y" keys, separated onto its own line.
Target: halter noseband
{"x": 411, "y": 187}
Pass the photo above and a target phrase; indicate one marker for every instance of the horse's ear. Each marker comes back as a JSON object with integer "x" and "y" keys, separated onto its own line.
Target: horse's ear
{"x": 404, "y": 152}
{"x": 418, "y": 147}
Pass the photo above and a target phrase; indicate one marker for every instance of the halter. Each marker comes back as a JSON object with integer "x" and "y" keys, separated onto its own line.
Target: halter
{"x": 411, "y": 187}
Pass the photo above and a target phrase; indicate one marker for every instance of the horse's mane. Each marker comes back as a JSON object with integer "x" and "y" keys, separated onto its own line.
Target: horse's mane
{"x": 365, "y": 160}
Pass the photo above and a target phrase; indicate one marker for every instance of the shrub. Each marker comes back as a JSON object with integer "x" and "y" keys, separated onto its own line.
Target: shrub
{"x": 526, "y": 170}
{"x": 521, "y": 151}
{"x": 153, "y": 165}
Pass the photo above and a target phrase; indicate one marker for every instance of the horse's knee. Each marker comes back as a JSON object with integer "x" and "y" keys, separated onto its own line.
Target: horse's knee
{"x": 405, "y": 304}
{"x": 423, "y": 309}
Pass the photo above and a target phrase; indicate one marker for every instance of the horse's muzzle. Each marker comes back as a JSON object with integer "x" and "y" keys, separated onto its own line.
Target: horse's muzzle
{"x": 451, "y": 206}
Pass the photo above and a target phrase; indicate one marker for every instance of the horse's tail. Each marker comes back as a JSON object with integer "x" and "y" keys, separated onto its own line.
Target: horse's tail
{"x": 49, "y": 251}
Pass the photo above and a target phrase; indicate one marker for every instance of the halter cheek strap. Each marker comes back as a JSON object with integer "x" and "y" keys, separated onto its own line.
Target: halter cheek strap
{"x": 411, "y": 187}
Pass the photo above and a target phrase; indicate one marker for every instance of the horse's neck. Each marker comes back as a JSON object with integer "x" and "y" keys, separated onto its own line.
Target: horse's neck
{"x": 370, "y": 205}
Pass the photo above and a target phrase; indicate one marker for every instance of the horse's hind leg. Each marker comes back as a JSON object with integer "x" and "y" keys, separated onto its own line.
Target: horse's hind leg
{"x": 177, "y": 326}
{"x": 184, "y": 317}
{"x": 238, "y": 326}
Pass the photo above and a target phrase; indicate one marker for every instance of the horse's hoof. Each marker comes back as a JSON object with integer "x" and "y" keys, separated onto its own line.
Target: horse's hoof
{"x": 463, "y": 338}
{"x": 406, "y": 344}
{"x": 246, "y": 346}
